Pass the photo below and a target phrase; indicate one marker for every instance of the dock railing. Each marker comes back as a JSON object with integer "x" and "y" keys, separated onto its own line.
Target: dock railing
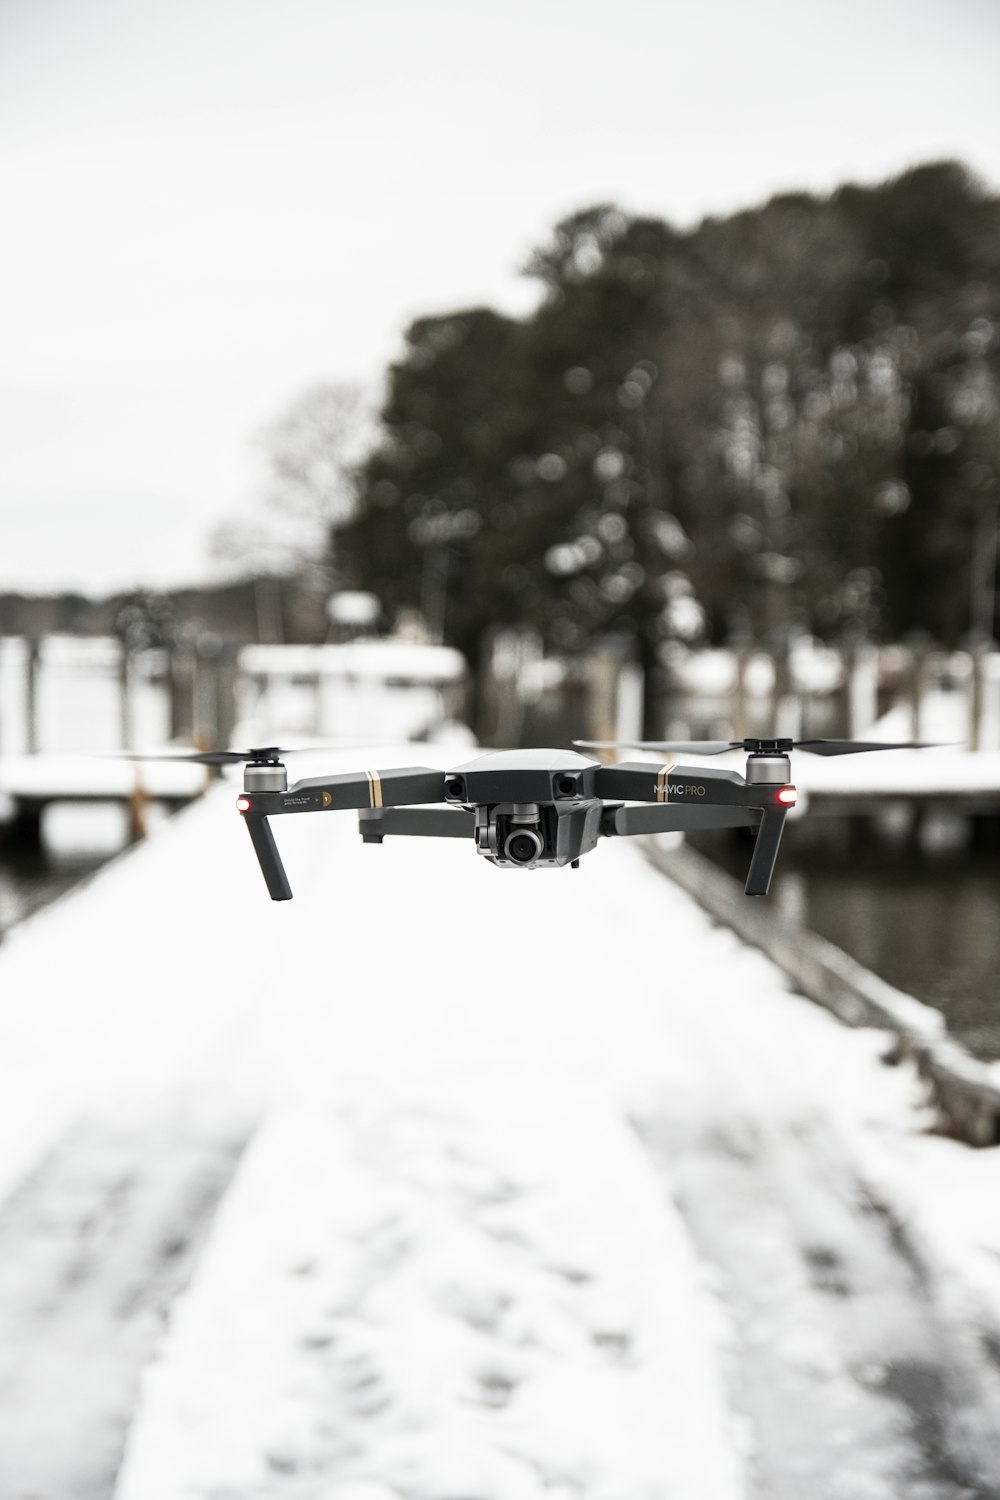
{"x": 965, "y": 1089}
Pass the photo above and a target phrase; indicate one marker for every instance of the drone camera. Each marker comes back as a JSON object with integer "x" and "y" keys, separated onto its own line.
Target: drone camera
{"x": 568, "y": 786}
{"x": 454, "y": 789}
{"x": 514, "y": 834}
{"x": 523, "y": 846}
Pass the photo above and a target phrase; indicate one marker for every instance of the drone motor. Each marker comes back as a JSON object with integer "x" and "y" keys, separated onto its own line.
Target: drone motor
{"x": 764, "y": 768}
{"x": 265, "y": 776}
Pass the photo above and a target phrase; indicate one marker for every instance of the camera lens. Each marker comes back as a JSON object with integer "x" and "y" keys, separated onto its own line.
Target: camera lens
{"x": 567, "y": 786}
{"x": 523, "y": 847}
{"x": 455, "y": 788}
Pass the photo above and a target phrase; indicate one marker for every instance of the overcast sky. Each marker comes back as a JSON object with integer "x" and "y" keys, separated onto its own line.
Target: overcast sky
{"x": 211, "y": 204}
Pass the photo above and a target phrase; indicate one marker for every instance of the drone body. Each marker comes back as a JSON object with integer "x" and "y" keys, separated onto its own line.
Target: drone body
{"x": 529, "y": 809}
{"x": 537, "y": 809}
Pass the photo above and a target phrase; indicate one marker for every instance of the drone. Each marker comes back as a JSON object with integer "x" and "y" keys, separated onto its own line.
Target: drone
{"x": 537, "y": 809}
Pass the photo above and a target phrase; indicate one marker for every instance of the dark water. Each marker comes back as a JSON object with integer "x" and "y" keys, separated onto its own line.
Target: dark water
{"x": 77, "y": 841}
{"x": 30, "y": 882}
{"x": 927, "y": 922}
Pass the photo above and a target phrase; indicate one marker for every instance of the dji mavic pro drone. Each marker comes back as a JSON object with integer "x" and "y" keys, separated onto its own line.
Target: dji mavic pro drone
{"x": 538, "y": 809}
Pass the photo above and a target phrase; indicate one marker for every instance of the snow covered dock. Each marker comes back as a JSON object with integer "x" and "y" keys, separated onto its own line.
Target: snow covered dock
{"x": 31, "y": 783}
{"x": 443, "y": 1182}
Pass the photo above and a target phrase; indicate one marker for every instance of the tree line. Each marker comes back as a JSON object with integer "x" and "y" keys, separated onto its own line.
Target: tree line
{"x": 778, "y": 422}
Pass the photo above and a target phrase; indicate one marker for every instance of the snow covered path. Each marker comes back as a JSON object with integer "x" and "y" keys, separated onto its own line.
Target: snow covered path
{"x": 555, "y": 1191}
{"x": 93, "y": 1249}
{"x": 859, "y": 1372}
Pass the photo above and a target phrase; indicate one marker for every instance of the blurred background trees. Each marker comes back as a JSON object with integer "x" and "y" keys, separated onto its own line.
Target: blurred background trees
{"x": 777, "y": 423}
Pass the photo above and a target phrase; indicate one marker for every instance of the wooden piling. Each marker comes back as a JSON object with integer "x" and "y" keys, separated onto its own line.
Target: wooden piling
{"x": 126, "y": 725}
{"x": 32, "y": 669}
{"x": 180, "y": 681}
{"x": 918, "y": 678}
{"x": 138, "y": 810}
{"x": 977, "y": 696}
{"x": 861, "y": 690}
{"x": 739, "y": 712}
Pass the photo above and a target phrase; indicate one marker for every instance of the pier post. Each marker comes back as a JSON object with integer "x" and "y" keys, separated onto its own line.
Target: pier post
{"x": 32, "y": 667}
{"x": 138, "y": 807}
{"x": 501, "y": 712}
{"x": 226, "y": 696}
{"x": 180, "y": 679}
{"x": 126, "y": 723}
{"x": 213, "y": 693}
{"x": 978, "y": 692}
{"x": 919, "y": 674}
{"x": 629, "y": 700}
{"x": 786, "y": 706}
{"x": 739, "y": 714}
{"x": 203, "y": 704}
{"x": 861, "y": 674}
{"x": 603, "y": 670}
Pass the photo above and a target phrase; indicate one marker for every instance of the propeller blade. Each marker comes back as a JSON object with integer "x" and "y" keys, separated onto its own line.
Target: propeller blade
{"x": 858, "y": 747}
{"x": 759, "y": 744}
{"x": 194, "y": 757}
{"x": 259, "y": 753}
{"x": 230, "y": 757}
{"x": 684, "y": 747}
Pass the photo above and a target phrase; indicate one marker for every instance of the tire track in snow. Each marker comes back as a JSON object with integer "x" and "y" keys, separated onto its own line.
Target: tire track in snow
{"x": 94, "y": 1247}
{"x": 856, "y": 1382}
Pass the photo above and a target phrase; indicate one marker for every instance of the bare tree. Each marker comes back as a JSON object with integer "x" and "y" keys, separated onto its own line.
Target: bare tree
{"x": 313, "y": 450}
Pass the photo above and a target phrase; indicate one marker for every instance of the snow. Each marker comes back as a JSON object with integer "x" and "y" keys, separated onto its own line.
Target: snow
{"x": 448, "y": 1267}
{"x": 901, "y": 773}
{"x": 83, "y": 776}
{"x": 318, "y": 690}
{"x": 479, "y": 1308}
{"x": 710, "y": 672}
{"x": 409, "y": 660}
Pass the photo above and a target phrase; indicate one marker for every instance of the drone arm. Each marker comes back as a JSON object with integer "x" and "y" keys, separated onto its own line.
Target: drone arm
{"x": 397, "y": 787}
{"x": 423, "y": 822}
{"x": 645, "y": 782}
{"x": 765, "y": 851}
{"x": 674, "y": 819}
{"x": 636, "y": 781}
{"x": 268, "y": 857}
{"x": 699, "y": 799}
{"x": 355, "y": 789}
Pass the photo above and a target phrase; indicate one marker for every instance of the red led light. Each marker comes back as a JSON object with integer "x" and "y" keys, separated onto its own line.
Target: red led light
{"x": 788, "y": 796}
{"x": 243, "y": 803}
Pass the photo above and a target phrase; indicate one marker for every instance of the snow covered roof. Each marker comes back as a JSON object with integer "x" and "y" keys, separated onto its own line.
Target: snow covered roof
{"x": 411, "y": 661}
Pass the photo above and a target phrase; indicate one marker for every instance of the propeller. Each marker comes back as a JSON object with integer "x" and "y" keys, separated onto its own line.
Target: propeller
{"x": 756, "y": 746}
{"x": 263, "y": 756}
{"x": 260, "y": 755}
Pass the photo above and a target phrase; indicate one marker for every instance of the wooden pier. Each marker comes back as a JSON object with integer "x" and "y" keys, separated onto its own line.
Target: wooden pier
{"x": 31, "y": 783}
{"x": 905, "y": 793}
